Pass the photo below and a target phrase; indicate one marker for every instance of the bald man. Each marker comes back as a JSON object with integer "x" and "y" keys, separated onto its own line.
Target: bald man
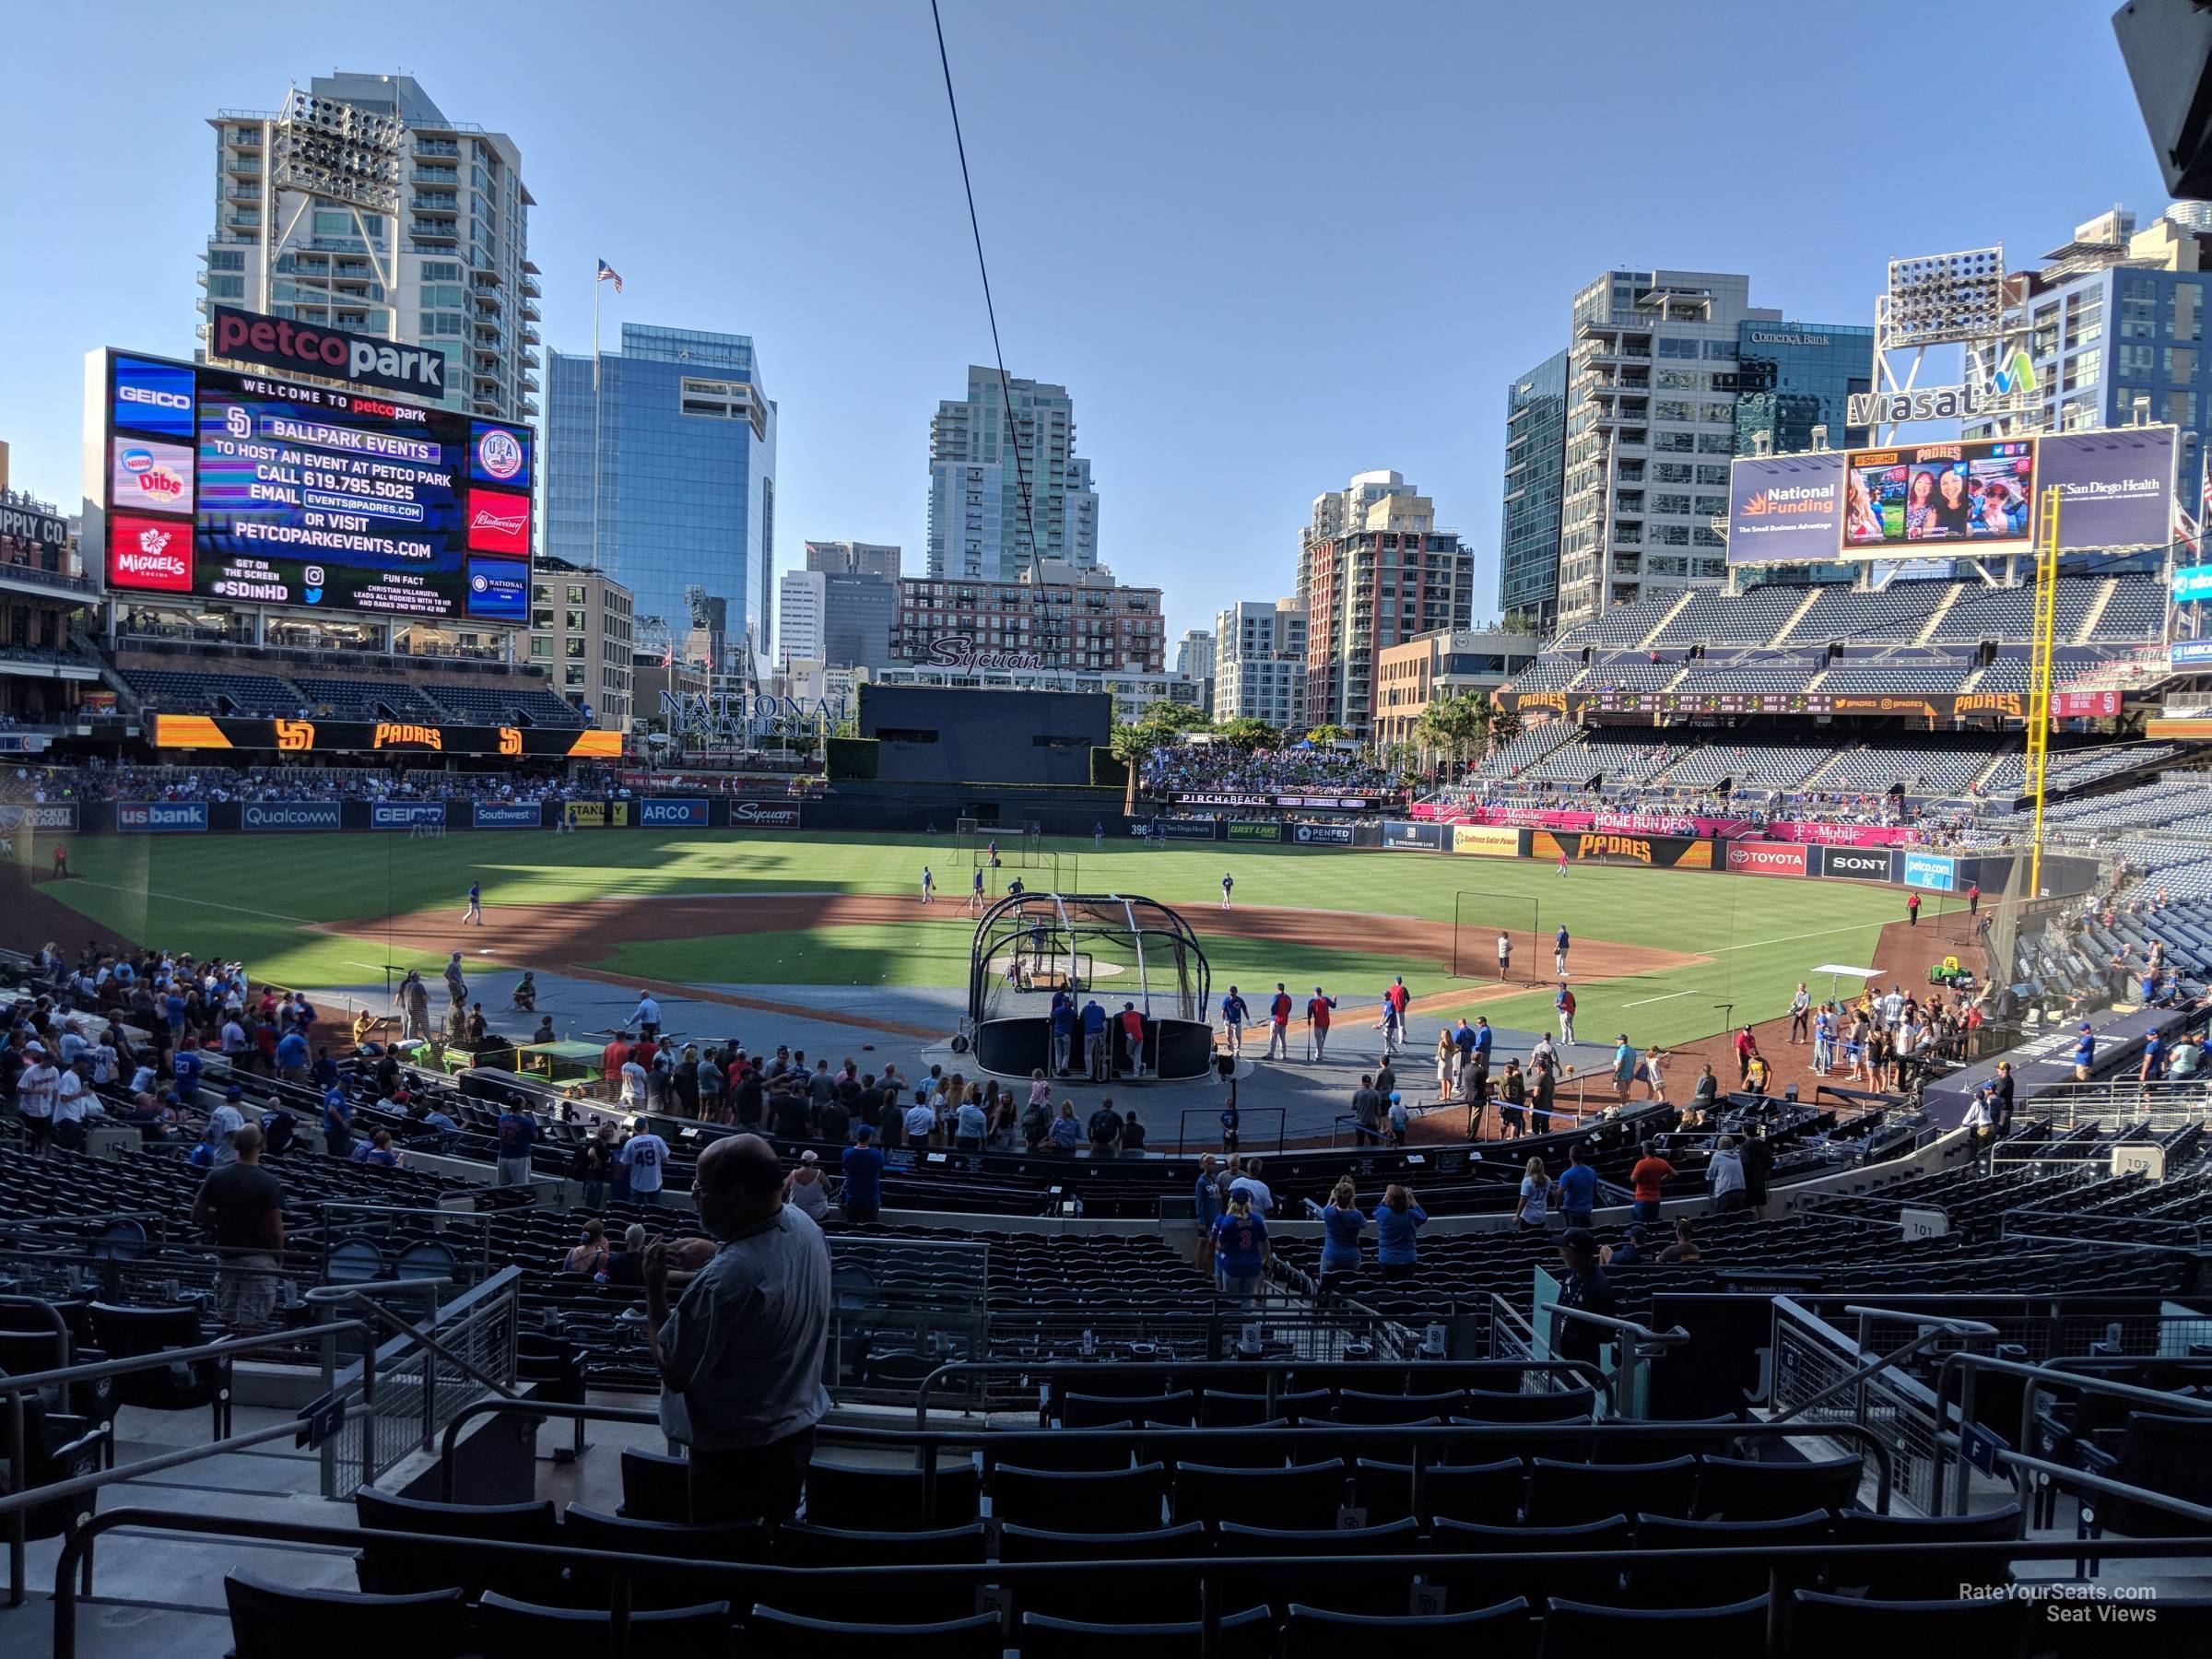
{"x": 740, "y": 1357}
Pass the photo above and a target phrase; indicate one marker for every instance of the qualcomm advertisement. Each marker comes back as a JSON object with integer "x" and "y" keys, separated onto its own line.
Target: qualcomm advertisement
{"x": 507, "y": 815}
{"x": 161, "y": 817}
{"x": 1930, "y": 870}
{"x": 673, "y": 815}
{"x": 405, "y": 814}
{"x": 288, "y": 815}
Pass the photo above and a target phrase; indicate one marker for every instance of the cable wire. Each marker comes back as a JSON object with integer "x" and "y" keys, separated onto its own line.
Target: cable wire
{"x": 1005, "y": 387}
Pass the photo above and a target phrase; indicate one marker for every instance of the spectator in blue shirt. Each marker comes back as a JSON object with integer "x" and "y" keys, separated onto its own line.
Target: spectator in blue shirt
{"x": 1066, "y": 1134}
{"x": 1094, "y": 1040}
{"x": 188, "y": 1066}
{"x": 2154, "y": 1057}
{"x": 1206, "y": 1197}
{"x": 1341, "y": 1225}
{"x": 863, "y": 1177}
{"x": 1578, "y": 1188}
{"x": 2084, "y": 1054}
{"x": 337, "y": 1121}
{"x": 292, "y": 1057}
{"x": 1064, "y": 1034}
{"x": 1397, "y": 1219}
{"x": 1240, "y": 1250}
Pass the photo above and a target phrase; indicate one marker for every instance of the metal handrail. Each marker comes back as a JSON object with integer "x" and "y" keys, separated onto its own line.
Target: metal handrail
{"x": 1271, "y": 1371}
{"x": 366, "y": 1295}
{"x": 929, "y": 1440}
{"x": 1205, "y": 1572}
{"x": 1932, "y": 1327}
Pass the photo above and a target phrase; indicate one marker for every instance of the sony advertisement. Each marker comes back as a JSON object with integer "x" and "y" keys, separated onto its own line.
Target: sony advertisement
{"x": 228, "y": 485}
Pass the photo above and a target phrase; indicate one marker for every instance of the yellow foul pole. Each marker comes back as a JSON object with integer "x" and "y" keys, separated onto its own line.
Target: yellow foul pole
{"x": 2039, "y": 678}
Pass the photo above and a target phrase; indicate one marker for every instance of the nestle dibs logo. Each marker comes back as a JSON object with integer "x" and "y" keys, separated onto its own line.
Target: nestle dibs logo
{"x": 500, "y": 453}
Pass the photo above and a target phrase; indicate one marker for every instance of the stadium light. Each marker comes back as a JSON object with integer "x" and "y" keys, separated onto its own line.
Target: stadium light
{"x": 327, "y": 148}
{"x": 1944, "y": 298}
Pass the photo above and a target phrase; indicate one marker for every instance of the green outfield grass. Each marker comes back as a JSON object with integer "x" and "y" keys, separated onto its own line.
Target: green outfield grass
{"x": 252, "y": 898}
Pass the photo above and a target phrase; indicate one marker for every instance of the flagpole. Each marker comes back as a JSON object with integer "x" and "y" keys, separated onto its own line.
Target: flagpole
{"x": 596, "y": 460}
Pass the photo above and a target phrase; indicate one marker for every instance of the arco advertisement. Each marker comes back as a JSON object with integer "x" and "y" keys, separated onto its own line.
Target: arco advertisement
{"x": 673, "y": 815}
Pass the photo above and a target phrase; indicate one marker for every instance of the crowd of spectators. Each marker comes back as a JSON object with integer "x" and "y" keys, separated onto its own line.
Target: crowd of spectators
{"x": 1208, "y": 767}
{"x": 96, "y": 781}
{"x": 1937, "y": 824}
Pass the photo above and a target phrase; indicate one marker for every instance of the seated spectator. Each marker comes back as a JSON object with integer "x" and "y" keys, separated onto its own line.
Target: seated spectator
{"x": 589, "y": 1255}
{"x": 1685, "y": 1247}
{"x": 1066, "y": 1134}
{"x": 376, "y": 1150}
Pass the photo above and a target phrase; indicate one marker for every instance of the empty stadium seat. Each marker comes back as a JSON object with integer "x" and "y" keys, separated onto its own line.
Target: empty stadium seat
{"x": 1307, "y": 1495}
{"x": 277, "y": 1621}
{"x": 1133, "y": 1593}
{"x": 847, "y": 1495}
{"x": 1504, "y": 1632}
{"x": 774, "y": 1634}
{"x": 1489, "y": 1493}
{"x": 1246, "y": 1635}
{"x": 1062, "y": 1500}
{"x": 1849, "y": 1627}
{"x": 516, "y": 1629}
{"x": 1736, "y": 1489}
{"x": 1569, "y": 1494}
{"x": 1575, "y": 1630}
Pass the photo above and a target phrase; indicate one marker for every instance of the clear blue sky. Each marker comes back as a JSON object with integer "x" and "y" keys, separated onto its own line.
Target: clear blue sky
{"x": 1264, "y": 244}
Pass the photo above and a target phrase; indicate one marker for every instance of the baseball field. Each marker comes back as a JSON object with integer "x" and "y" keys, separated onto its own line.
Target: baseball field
{"x": 1667, "y": 956}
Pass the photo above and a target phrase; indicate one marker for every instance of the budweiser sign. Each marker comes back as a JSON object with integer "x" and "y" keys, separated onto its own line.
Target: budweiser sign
{"x": 961, "y": 651}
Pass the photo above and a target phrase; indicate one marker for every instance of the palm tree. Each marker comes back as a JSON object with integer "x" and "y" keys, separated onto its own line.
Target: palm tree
{"x": 1461, "y": 724}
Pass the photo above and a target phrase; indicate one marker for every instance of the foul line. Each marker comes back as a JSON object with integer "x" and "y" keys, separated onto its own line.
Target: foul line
{"x": 187, "y": 899}
{"x": 1640, "y": 1001}
{"x": 1786, "y": 938}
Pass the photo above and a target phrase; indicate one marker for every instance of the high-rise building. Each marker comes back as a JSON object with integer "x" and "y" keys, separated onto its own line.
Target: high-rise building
{"x": 1372, "y": 572}
{"x": 1078, "y": 619}
{"x": 853, "y": 558}
{"x": 1793, "y": 384}
{"x": 580, "y": 633}
{"x": 1260, "y": 664}
{"x": 359, "y": 205}
{"x": 1442, "y": 665}
{"x": 666, "y": 478}
{"x": 1194, "y": 662}
{"x": 2115, "y": 319}
{"x": 1652, "y": 383}
{"x": 979, "y": 527}
{"x": 1536, "y": 463}
{"x": 840, "y": 618}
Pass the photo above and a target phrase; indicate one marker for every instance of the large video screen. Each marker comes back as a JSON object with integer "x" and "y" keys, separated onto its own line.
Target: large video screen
{"x": 241, "y": 487}
{"x": 1978, "y": 496}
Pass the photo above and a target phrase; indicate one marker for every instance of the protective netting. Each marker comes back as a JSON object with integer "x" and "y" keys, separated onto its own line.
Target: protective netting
{"x": 1118, "y": 949}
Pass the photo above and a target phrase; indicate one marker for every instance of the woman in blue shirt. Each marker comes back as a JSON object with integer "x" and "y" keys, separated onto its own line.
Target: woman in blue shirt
{"x": 1397, "y": 1219}
{"x": 1341, "y": 1225}
{"x": 1066, "y": 1134}
{"x": 1240, "y": 1250}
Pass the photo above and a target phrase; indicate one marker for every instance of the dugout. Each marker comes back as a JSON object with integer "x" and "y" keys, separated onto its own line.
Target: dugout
{"x": 969, "y": 735}
{"x": 1114, "y": 948}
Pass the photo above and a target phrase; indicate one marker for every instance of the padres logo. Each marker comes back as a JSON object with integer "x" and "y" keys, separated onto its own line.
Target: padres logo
{"x": 295, "y": 736}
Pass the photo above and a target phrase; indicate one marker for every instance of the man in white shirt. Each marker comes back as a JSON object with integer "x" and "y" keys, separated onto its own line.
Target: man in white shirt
{"x": 104, "y": 1062}
{"x": 920, "y": 1123}
{"x": 234, "y": 1037}
{"x": 635, "y": 1082}
{"x": 648, "y": 1016}
{"x": 646, "y": 1158}
{"x": 223, "y": 1123}
{"x": 34, "y": 1098}
{"x": 73, "y": 1102}
{"x": 1262, "y": 1198}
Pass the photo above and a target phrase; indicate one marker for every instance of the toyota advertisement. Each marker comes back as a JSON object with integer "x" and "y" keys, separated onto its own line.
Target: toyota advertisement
{"x": 1765, "y": 858}
{"x": 231, "y": 486}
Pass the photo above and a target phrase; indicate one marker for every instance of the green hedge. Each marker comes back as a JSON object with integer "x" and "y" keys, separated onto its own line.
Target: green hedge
{"x": 1107, "y": 770}
{"x": 851, "y": 760}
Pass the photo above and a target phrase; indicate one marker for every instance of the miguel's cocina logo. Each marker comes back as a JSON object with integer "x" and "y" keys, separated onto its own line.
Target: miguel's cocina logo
{"x": 295, "y": 736}
{"x": 393, "y": 734}
{"x": 2011, "y": 703}
{"x": 1613, "y": 846}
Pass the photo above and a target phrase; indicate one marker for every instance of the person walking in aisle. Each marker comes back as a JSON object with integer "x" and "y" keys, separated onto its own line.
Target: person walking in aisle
{"x": 1564, "y": 1003}
{"x": 1801, "y": 1013}
{"x": 1318, "y": 1007}
{"x": 1279, "y": 1024}
{"x": 1233, "y": 1016}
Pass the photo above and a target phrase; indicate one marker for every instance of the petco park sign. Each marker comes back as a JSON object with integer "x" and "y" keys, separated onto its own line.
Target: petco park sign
{"x": 242, "y": 337}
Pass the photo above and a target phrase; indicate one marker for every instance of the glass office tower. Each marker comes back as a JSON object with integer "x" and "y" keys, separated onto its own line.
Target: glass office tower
{"x": 665, "y": 479}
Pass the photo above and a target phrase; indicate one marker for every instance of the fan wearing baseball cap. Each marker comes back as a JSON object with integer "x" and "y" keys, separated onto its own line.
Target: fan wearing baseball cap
{"x": 1585, "y": 1287}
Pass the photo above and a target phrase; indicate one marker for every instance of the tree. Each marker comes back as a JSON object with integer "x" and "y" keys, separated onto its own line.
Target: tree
{"x": 1160, "y": 726}
{"x": 1460, "y": 724}
{"x": 1249, "y": 733}
{"x": 1321, "y": 737}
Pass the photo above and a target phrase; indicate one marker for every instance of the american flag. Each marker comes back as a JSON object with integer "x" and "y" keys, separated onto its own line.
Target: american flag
{"x": 609, "y": 273}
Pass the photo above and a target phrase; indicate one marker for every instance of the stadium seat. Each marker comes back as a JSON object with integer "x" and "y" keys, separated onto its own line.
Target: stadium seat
{"x": 1060, "y": 1451}
{"x": 1306, "y": 1495}
{"x": 588, "y": 1586}
{"x": 1504, "y": 1632}
{"x": 276, "y": 1621}
{"x": 1487, "y": 1492}
{"x": 1132, "y": 1593}
{"x": 1344, "y": 1593}
{"x": 1219, "y": 1408}
{"x": 923, "y": 1600}
{"x": 402, "y": 1569}
{"x": 1246, "y": 1635}
{"x": 1574, "y": 1629}
{"x": 1481, "y": 1585}
{"x": 1097, "y": 1411}
{"x": 1256, "y": 1453}
{"x": 1845, "y": 1627}
{"x": 1901, "y": 1577}
{"x": 516, "y": 1629}
{"x": 771, "y": 1634}
{"x": 1566, "y": 1494}
{"x": 654, "y": 1487}
{"x": 1735, "y": 1489}
{"x": 2160, "y": 1453}
{"x": 1070, "y": 1500}
{"x": 1355, "y": 1406}
{"x": 130, "y": 1333}
{"x": 1714, "y": 1583}
{"x": 1488, "y": 1406}
{"x": 863, "y": 1499}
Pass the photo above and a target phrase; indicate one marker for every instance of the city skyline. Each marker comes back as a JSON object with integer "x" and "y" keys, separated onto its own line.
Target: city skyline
{"x": 1179, "y": 303}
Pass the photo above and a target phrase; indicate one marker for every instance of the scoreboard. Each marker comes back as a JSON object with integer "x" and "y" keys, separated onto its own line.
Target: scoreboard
{"x": 227, "y": 486}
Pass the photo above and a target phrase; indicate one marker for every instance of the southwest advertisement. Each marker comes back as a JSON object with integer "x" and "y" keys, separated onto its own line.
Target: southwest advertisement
{"x": 1785, "y": 508}
{"x": 506, "y": 815}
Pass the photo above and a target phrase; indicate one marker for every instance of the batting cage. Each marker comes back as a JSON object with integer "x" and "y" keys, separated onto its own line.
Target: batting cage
{"x": 1480, "y": 920}
{"x": 1122, "y": 951}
